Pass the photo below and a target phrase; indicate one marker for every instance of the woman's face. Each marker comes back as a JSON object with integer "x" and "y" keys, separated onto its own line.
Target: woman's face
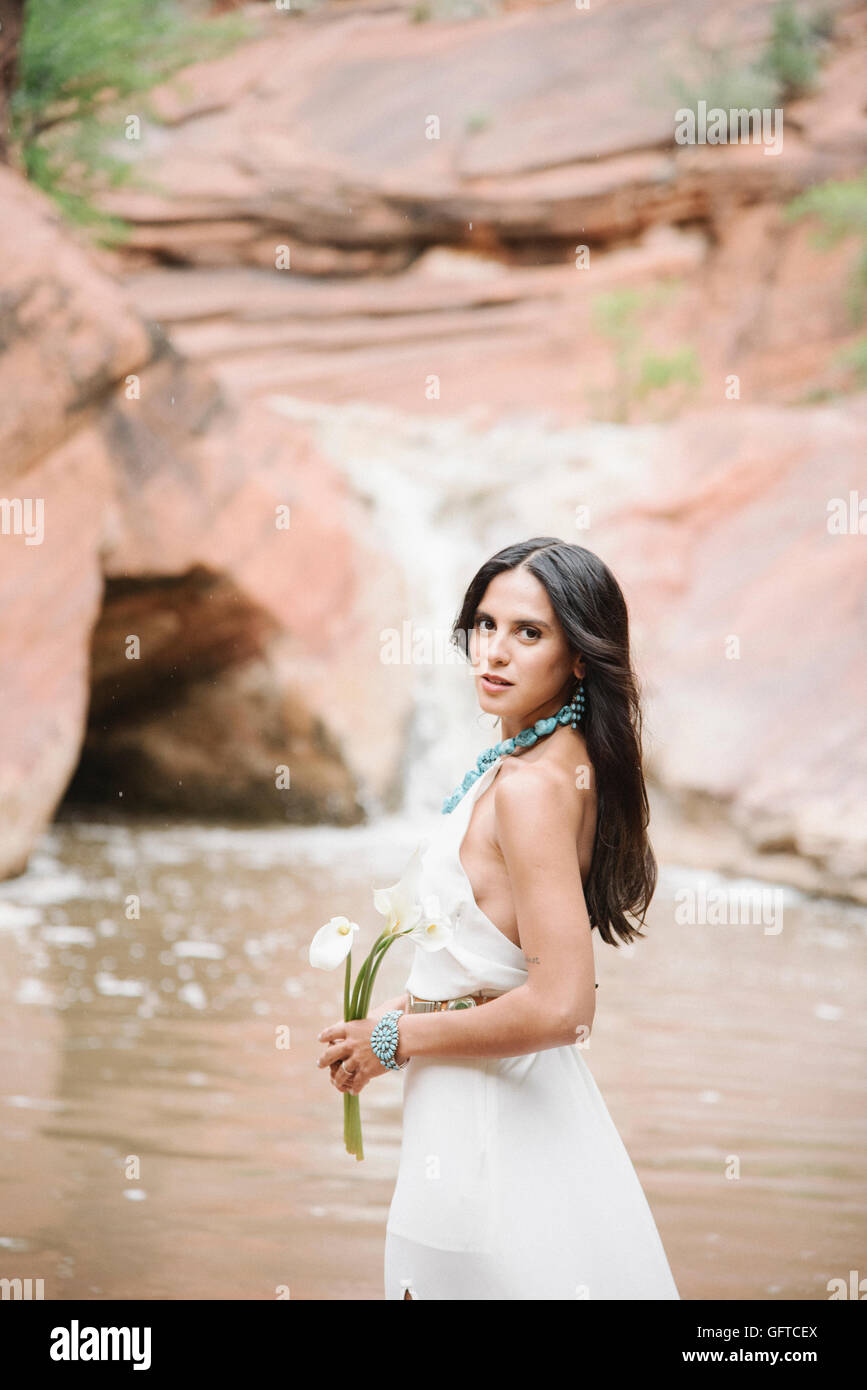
{"x": 516, "y": 636}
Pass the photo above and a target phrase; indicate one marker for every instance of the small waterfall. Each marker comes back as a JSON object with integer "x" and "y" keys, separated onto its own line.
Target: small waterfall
{"x": 423, "y": 516}
{"x": 445, "y": 494}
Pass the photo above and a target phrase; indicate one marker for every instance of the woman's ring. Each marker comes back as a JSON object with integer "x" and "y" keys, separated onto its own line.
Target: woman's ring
{"x": 348, "y": 1073}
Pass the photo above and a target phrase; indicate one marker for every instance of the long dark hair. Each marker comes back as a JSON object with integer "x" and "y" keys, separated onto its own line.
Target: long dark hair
{"x": 591, "y": 609}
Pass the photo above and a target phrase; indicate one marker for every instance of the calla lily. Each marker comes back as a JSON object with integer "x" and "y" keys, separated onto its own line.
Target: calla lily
{"x": 400, "y": 903}
{"x": 408, "y": 914}
{"x": 434, "y": 928}
{"x": 332, "y": 943}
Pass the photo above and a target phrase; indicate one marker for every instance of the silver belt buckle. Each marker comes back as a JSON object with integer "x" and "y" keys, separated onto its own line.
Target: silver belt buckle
{"x": 420, "y": 1006}
{"x": 429, "y": 1005}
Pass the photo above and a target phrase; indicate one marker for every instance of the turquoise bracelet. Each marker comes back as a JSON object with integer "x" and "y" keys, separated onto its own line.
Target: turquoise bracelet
{"x": 384, "y": 1039}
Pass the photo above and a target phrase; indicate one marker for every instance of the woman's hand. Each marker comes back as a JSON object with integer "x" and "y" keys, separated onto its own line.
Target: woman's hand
{"x": 348, "y": 1043}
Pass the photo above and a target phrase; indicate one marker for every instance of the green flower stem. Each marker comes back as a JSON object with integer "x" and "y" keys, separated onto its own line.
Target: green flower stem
{"x": 355, "y": 1005}
{"x": 351, "y": 1010}
{"x": 351, "y": 1113}
{"x": 358, "y": 992}
{"x": 352, "y": 1124}
{"x": 369, "y": 982}
{"x": 374, "y": 961}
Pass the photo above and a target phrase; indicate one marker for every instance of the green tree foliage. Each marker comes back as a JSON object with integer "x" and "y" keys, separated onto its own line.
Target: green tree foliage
{"x": 77, "y": 64}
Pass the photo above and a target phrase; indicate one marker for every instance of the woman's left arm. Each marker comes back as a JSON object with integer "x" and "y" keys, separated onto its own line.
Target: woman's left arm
{"x": 537, "y": 825}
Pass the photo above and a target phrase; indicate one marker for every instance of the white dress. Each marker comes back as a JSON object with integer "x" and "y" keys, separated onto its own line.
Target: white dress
{"x": 513, "y": 1179}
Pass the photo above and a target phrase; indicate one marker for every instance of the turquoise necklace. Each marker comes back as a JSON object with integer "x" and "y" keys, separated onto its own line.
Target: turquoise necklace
{"x": 524, "y": 739}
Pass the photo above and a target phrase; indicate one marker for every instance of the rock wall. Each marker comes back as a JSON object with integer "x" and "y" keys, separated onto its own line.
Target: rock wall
{"x": 458, "y": 255}
{"x": 200, "y": 604}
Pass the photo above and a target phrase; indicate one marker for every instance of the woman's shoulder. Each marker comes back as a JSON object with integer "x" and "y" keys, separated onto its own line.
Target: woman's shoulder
{"x": 548, "y": 787}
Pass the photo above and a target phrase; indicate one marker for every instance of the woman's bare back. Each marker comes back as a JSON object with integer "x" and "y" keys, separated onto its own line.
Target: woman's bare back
{"x": 480, "y": 854}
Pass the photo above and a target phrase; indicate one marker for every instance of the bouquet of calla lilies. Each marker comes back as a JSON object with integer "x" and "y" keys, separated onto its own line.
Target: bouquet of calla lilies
{"x": 406, "y": 915}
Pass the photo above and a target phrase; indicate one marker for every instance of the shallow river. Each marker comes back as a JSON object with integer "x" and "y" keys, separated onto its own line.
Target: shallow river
{"x": 157, "y": 1144}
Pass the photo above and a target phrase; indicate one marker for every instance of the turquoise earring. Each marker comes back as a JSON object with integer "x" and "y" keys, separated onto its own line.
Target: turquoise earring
{"x": 576, "y": 707}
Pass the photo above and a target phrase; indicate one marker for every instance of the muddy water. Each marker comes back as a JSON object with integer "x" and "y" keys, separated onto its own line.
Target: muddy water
{"x": 157, "y": 1144}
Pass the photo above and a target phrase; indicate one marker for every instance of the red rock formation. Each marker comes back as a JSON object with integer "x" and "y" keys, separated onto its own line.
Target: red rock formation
{"x": 159, "y": 510}
{"x": 556, "y": 130}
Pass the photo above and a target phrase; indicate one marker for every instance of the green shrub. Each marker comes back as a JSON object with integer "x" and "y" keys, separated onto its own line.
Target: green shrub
{"x": 77, "y": 62}
{"x": 787, "y": 67}
{"x": 657, "y": 372}
{"x": 855, "y": 357}
{"x": 616, "y": 316}
{"x": 840, "y": 205}
{"x": 792, "y": 55}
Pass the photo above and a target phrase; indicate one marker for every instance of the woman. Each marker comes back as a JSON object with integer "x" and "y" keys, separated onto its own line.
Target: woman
{"x": 514, "y": 1182}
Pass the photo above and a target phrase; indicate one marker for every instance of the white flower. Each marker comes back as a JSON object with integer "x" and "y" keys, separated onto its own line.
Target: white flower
{"x": 434, "y": 929}
{"x": 400, "y": 903}
{"x": 332, "y": 943}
